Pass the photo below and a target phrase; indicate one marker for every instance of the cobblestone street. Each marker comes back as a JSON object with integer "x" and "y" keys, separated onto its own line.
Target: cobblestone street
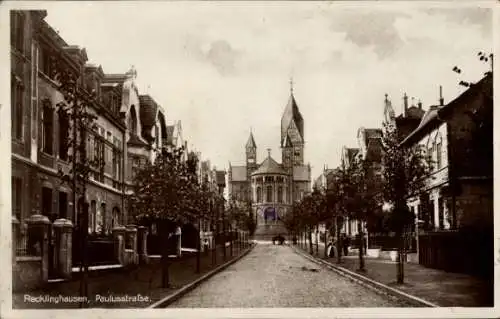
{"x": 275, "y": 276}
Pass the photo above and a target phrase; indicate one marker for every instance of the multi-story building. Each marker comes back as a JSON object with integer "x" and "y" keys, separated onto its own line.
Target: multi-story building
{"x": 457, "y": 138}
{"x": 129, "y": 127}
{"x": 271, "y": 187}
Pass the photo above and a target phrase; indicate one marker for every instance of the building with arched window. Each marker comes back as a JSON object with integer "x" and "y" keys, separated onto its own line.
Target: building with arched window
{"x": 271, "y": 187}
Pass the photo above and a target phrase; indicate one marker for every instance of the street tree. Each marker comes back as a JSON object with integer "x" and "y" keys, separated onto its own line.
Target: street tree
{"x": 361, "y": 197}
{"x": 405, "y": 172}
{"x": 78, "y": 111}
{"x": 166, "y": 191}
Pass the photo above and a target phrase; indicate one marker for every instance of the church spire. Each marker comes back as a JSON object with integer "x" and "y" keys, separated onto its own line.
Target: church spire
{"x": 292, "y": 114}
{"x": 251, "y": 141}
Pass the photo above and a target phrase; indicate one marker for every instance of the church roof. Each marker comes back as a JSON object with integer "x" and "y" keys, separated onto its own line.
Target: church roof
{"x": 251, "y": 142}
{"x": 269, "y": 166}
{"x": 238, "y": 173}
{"x": 290, "y": 114}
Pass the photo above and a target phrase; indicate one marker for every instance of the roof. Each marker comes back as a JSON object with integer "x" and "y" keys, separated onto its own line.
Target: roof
{"x": 220, "y": 177}
{"x": 372, "y": 133}
{"x": 374, "y": 150}
{"x": 290, "y": 114}
{"x": 238, "y": 173}
{"x": 431, "y": 116}
{"x": 269, "y": 166}
{"x": 301, "y": 173}
{"x": 148, "y": 111}
{"x": 251, "y": 142}
{"x": 415, "y": 112}
{"x": 351, "y": 153}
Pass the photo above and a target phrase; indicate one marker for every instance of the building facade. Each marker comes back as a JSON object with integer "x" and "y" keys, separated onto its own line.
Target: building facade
{"x": 128, "y": 128}
{"x": 457, "y": 138}
{"x": 272, "y": 187}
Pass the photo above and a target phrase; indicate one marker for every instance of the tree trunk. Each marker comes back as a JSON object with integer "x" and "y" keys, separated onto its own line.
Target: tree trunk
{"x": 400, "y": 263}
{"x": 84, "y": 222}
{"x": 361, "y": 246}
{"x": 198, "y": 252}
{"x": 326, "y": 245}
{"x": 338, "y": 227}
{"x": 317, "y": 240}
{"x": 311, "y": 251}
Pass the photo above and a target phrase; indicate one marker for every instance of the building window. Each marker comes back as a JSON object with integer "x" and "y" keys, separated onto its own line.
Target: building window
{"x": 259, "y": 195}
{"x": 47, "y": 203}
{"x": 439, "y": 162}
{"x": 101, "y": 217}
{"x": 269, "y": 194}
{"x": 63, "y": 135}
{"x": 16, "y": 108}
{"x": 17, "y": 30}
{"x": 280, "y": 194}
{"x": 269, "y": 179}
{"x": 47, "y": 127}
{"x": 17, "y": 197}
{"x": 132, "y": 120}
{"x": 63, "y": 205}
{"x": 115, "y": 218}
{"x": 46, "y": 63}
{"x": 92, "y": 217}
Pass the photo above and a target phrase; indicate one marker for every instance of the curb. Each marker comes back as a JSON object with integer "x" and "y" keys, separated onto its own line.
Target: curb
{"x": 369, "y": 283}
{"x": 163, "y": 303}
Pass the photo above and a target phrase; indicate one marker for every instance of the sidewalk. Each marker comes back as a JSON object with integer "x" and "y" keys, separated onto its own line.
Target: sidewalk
{"x": 433, "y": 285}
{"x": 144, "y": 280}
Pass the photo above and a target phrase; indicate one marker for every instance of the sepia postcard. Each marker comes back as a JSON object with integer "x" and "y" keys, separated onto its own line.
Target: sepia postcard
{"x": 266, "y": 159}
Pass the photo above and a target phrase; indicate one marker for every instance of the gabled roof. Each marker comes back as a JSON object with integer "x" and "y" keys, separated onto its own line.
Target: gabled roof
{"x": 148, "y": 111}
{"x": 290, "y": 114}
{"x": 269, "y": 166}
{"x": 251, "y": 142}
{"x": 430, "y": 117}
{"x": 374, "y": 150}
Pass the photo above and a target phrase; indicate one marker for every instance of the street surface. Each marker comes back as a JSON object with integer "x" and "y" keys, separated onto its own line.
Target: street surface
{"x": 275, "y": 276}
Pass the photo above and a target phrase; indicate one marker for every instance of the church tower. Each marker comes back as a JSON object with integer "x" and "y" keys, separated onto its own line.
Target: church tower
{"x": 292, "y": 132}
{"x": 251, "y": 155}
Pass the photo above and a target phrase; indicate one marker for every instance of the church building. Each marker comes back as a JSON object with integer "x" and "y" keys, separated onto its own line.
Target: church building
{"x": 271, "y": 187}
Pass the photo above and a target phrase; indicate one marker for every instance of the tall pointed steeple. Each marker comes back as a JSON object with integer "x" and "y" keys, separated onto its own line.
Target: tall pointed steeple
{"x": 251, "y": 141}
{"x": 292, "y": 114}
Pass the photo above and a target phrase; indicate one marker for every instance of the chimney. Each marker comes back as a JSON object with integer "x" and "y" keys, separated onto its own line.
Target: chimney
{"x": 419, "y": 104}
{"x": 405, "y": 104}
{"x": 441, "y": 100}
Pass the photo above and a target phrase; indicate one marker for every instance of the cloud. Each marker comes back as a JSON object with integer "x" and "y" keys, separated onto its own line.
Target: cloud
{"x": 481, "y": 17}
{"x": 222, "y": 56}
{"x": 370, "y": 30}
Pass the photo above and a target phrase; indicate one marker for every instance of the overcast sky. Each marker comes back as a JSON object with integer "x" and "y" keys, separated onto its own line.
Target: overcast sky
{"x": 224, "y": 67}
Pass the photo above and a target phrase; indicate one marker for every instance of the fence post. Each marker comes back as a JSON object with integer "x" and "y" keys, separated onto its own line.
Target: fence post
{"x": 14, "y": 241}
{"x": 142, "y": 235}
{"x": 131, "y": 233}
{"x": 38, "y": 231}
{"x": 118, "y": 234}
{"x": 64, "y": 229}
